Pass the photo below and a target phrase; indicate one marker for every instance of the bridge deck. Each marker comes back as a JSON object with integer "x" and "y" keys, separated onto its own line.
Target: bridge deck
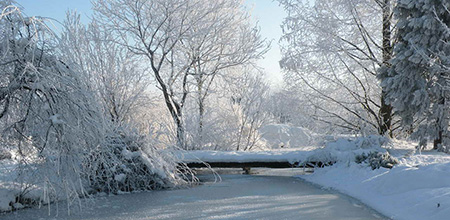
{"x": 261, "y": 159}
{"x": 261, "y": 164}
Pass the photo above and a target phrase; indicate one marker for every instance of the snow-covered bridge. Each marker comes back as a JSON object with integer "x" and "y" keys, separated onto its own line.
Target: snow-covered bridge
{"x": 232, "y": 159}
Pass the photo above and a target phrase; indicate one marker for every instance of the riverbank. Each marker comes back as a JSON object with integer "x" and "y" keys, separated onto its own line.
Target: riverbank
{"x": 417, "y": 188}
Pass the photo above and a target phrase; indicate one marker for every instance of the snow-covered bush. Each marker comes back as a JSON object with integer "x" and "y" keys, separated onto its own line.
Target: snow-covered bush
{"x": 361, "y": 149}
{"x": 52, "y": 119}
{"x": 377, "y": 159}
{"x": 125, "y": 163}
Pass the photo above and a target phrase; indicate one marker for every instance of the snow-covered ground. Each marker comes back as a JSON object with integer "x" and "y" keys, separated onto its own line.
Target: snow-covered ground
{"x": 416, "y": 188}
{"x": 11, "y": 186}
{"x": 235, "y": 197}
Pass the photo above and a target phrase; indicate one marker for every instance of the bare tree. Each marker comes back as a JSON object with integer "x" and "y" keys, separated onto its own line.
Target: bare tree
{"x": 114, "y": 72}
{"x": 180, "y": 40}
{"x": 152, "y": 29}
{"x": 225, "y": 40}
{"x": 333, "y": 50}
{"x": 248, "y": 95}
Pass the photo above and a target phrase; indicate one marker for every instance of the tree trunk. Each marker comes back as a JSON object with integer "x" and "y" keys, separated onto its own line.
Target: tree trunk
{"x": 438, "y": 140}
{"x": 386, "y": 109}
{"x": 201, "y": 112}
{"x": 180, "y": 133}
{"x": 175, "y": 112}
{"x": 174, "y": 108}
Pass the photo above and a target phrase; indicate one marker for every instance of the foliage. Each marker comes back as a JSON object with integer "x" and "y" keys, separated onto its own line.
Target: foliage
{"x": 417, "y": 79}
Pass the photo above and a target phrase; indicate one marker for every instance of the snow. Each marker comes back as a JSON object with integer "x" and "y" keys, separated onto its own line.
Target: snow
{"x": 291, "y": 156}
{"x": 130, "y": 155}
{"x": 6, "y": 196}
{"x": 417, "y": 188}
{"x": 235, "y": 197}
{"x": 343, "y": 149}
{"x": 8, "y": 189}
{"x": 15, "y": 182}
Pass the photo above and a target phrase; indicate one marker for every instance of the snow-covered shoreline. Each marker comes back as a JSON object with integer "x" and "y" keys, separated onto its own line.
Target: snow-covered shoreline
{"x": 417, "y": 188}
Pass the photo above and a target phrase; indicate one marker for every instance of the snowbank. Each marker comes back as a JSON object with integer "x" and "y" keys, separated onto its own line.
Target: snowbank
{"x": 416, "y": 188}
{"x": 8, "y": 189}
{"x": 345, "y": 150}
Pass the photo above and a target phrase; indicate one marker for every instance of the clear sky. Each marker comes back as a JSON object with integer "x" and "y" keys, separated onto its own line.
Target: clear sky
{"x": 267, "y": 12}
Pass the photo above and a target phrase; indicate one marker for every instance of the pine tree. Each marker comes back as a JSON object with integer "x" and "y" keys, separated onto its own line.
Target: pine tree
{"x": 417, "y": 79}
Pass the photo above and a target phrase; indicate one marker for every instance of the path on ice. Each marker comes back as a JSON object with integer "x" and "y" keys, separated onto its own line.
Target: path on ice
{"x": 236, "y": 197}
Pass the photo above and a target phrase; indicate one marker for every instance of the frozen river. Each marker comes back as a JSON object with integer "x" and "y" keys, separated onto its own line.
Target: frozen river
{"x": 235, "y": 197}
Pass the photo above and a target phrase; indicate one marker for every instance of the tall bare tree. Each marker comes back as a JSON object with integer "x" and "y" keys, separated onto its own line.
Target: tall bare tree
{"x": 182, "y": 39}
{"x": 333, "y": 50}
{"x": 153, "y": 29}
{"x": 228, "y": 39}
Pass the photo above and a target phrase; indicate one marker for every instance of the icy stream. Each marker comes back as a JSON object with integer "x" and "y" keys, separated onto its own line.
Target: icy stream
{"x": 235, "y": 197}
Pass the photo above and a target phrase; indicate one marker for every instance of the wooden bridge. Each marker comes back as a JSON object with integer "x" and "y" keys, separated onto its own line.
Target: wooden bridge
{"x": 247, "y": 160}
{"x": 260, "y": 164}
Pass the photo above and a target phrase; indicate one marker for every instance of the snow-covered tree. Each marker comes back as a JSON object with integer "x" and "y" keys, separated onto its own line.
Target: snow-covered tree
{"x": 288, "y": 107}
{"x": 331, "y": 53}
{"x": 417, "y": 78}
{"x": 247, "y": 99}
{"x": 115, "y": 73}
{"x": 225, "y": 40}
{"x": 48, "y": 115}
{"x": 182, "y": 40}
{"x": 53, "y": 120}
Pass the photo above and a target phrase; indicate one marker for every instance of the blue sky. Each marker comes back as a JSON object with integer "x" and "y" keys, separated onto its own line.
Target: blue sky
{"x": 267, "y": 12}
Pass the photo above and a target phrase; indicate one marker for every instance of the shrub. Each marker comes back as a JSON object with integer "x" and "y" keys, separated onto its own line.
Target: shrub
{"x": 377, "y": 160}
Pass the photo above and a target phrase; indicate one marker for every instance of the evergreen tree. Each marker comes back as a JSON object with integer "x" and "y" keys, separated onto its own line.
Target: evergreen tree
{"x": 417, "y": 79}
